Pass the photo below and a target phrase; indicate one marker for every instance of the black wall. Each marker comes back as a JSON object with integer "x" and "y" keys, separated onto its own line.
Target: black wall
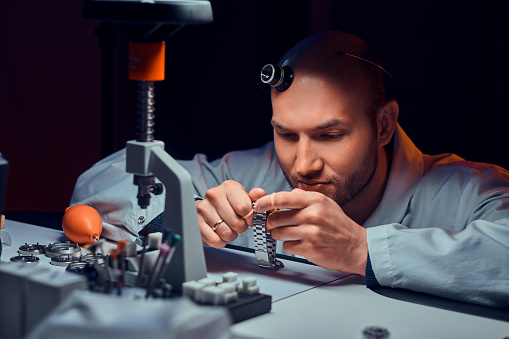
{"x": 449, "y": 59}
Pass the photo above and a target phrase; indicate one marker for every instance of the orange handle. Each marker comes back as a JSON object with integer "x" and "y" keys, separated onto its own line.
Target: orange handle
{"x": 146, "y": 61}
{"x": 82, "y": 224}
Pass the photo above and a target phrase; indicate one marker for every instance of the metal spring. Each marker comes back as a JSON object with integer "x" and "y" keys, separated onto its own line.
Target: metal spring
{"x": 146, "y": 110}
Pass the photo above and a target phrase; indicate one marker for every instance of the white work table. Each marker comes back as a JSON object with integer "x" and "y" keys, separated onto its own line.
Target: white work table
{"x": 341, "y": 309}
{"x": 311, "y": 302}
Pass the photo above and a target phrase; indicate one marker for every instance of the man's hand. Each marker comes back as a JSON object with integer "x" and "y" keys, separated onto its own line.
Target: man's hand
{"x": 314, "y": 226}
{"x": 228, "y": 209}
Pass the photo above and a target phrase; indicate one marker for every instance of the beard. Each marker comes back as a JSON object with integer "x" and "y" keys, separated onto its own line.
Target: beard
{"x": 344, "y": 189}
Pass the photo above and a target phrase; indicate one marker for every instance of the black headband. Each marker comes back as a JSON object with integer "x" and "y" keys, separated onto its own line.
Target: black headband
{"x": 281, "y": 77}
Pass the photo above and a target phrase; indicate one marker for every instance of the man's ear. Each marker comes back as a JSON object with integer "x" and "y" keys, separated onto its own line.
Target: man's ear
{"x": 387, "y": 119}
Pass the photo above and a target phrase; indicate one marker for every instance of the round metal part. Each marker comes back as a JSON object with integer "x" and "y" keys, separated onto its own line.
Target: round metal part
{"x": 90, "y": 259}
{"x": 62, "y": 248}
{"x": 32, "y": 249}
{"x": 26, "y": 259}
{"x": 64, "y": 260}
{"x": 375, "y": 332}
{"x": 77, "y": 267}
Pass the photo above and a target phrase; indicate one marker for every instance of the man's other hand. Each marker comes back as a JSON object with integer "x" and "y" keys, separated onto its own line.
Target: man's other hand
{"x": 315, "y": 227}
{"x": 225, "y": 212}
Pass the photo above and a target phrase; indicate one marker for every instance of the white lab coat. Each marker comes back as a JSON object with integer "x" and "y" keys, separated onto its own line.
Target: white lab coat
{"x": 442, "y": 226}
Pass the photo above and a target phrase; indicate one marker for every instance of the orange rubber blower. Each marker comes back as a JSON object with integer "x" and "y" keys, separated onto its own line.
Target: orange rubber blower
{"x": 82, "y": 224}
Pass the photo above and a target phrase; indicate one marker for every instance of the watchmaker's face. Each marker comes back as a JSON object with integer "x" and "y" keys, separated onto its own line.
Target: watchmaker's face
{"x": 324, "y": 139}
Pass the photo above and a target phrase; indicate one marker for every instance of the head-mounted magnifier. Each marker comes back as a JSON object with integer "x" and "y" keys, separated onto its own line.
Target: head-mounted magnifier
{"x": 281, "y": 77}
{"x": 277, "y": 76}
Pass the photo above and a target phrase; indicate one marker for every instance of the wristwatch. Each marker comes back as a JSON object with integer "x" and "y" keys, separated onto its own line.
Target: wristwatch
{"x": 265, "y": 245}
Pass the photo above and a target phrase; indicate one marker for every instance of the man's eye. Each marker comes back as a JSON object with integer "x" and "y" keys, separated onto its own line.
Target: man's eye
{"x": 285, "y": 135}
{"x": 332, "y": 136}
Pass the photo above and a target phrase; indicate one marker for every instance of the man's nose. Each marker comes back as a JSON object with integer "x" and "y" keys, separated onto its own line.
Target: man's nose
{"x": 308, "y": 158}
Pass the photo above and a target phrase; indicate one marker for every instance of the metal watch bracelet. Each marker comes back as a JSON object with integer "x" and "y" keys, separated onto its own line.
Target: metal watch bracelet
{"x": 265, "y": 245}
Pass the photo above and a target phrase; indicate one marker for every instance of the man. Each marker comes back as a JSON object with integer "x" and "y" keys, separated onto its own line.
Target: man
{"x": 349, "y": 190}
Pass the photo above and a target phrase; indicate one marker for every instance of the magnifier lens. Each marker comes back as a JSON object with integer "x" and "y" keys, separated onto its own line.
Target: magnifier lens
{"x": 271, "y": 74}
{"x": 276, "y": 76}
{"x": 267, "y": 73}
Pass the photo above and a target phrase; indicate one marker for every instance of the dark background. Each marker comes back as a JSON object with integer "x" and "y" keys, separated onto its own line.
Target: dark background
{"x": 449, "y": 59}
